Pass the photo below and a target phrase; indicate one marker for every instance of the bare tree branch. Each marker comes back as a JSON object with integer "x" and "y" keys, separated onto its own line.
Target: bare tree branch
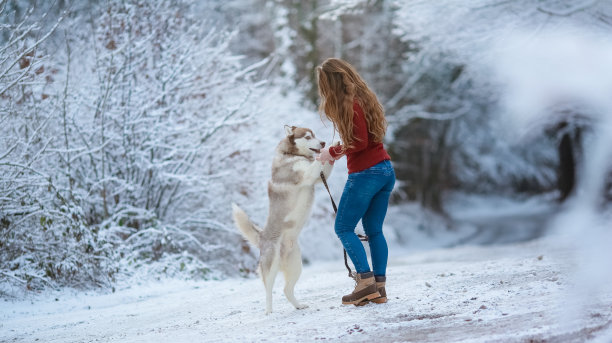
{"x": 569, "y": 11}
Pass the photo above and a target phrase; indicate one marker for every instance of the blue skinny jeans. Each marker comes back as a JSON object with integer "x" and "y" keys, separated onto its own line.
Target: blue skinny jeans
{"x": 366, "y": 198}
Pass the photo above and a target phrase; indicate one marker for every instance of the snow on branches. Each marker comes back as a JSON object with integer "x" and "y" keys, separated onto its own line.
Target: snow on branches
{"x": 106, "y": 157}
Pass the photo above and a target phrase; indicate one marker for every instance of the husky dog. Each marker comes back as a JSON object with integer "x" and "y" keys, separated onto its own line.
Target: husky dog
{"x": 291, "y": 192}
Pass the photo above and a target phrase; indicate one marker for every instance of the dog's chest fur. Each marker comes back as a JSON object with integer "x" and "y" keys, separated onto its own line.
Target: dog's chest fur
{"x": 291, "y": 194}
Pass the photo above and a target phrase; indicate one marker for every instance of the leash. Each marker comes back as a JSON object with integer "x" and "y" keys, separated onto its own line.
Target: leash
{"x": 361, "y": 237}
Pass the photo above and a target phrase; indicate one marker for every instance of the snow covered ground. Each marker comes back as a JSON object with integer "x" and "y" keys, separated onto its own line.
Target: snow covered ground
{"x": 513, "y": 293}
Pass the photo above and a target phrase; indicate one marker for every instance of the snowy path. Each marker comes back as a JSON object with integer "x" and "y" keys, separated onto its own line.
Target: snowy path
{"x": 514, "y": 293}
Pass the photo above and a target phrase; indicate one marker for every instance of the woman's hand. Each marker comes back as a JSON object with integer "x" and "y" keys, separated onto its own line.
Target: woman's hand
{"x": 325, "y": 156}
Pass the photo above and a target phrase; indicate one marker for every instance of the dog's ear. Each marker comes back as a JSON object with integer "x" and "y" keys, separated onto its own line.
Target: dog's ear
{"x": 289, "y": 130}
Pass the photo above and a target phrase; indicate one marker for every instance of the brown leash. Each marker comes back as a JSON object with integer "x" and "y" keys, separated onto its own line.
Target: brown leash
{"x": 361, "y": 237}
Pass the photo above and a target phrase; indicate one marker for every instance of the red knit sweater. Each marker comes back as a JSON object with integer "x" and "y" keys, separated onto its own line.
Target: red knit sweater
{"x": 365, "y": 152}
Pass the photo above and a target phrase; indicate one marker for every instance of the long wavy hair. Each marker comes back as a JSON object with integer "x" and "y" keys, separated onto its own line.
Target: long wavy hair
{"x": 339, "y": 86}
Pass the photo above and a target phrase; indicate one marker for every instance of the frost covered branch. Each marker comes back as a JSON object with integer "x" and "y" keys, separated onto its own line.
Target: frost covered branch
{"x": 574, "y": 8}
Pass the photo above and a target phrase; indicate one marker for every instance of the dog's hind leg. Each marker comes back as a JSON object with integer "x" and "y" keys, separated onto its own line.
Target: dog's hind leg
{"x": 269, "y": 269}
{"x": 292, "y": 268}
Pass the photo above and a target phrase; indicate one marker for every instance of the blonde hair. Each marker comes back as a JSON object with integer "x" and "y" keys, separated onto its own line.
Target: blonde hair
{"x": 339, "y": 86}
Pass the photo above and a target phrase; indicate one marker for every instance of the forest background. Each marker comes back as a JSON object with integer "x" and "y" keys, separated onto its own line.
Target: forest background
{"x": 127, "y": 127}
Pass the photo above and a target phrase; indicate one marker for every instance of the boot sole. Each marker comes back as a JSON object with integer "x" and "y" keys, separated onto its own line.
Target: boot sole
{"x": 380, "y": 300}
{"x": 362, "y": 299}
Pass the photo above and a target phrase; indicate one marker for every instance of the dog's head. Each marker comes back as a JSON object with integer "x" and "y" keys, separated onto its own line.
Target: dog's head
{"x": 302, "y": 141}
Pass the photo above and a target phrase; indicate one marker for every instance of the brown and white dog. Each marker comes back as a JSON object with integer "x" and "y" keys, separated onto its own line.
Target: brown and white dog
{"x": 291, "y": 192}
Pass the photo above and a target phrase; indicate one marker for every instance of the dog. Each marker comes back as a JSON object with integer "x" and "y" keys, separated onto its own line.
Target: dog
{"x": 291, "y": 193}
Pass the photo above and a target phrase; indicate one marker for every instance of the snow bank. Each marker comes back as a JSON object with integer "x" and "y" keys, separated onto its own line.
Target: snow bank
{"x": 515, "y": 293}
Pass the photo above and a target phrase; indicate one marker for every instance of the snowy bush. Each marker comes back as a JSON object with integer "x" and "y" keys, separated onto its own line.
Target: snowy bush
{"x": 43, "y": 235}
{"x": 107, "y": 157}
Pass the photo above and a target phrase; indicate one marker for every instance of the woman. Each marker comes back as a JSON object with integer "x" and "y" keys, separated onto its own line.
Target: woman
{"x": 359, "y": 118}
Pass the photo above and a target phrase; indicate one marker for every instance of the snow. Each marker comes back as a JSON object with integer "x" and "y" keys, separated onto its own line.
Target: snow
{"x": 512, "y": 293}
{"x": 471, "y": 219}
{"x": 464, "y": 206}
{"x": 550, "y": 289}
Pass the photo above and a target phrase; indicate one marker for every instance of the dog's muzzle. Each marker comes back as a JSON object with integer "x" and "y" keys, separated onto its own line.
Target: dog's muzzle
{"x": 318, "y": 150}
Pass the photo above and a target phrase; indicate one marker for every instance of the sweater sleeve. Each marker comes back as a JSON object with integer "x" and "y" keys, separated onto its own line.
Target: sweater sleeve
{"x": 360, "y": 133}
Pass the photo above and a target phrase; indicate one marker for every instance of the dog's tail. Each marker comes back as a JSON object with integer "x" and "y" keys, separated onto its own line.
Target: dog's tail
{"x": 249, "y": 230}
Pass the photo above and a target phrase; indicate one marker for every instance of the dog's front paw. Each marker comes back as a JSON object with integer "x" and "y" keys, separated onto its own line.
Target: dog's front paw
{"x": 327, "y": 169}
{"x": 301, "y": 306}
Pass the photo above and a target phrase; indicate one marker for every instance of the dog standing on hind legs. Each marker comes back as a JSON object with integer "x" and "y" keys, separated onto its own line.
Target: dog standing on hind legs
{"x": 291, "y": 193}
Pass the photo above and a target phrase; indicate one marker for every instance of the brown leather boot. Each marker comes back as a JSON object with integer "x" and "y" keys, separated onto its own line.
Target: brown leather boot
{"x": 364, "y": 290}
{"x": 380, "y": 285}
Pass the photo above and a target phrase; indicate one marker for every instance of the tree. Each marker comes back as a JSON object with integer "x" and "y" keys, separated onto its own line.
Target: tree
{"x": 118, "y": 174}
{"x": 451, "y": 68}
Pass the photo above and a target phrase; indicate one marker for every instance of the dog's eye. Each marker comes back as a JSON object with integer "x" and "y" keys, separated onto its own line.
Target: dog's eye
{"x": 307, "y": 137}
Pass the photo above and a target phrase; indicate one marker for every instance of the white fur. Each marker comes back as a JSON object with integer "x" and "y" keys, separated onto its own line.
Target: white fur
{"x": 291, "y": 193}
